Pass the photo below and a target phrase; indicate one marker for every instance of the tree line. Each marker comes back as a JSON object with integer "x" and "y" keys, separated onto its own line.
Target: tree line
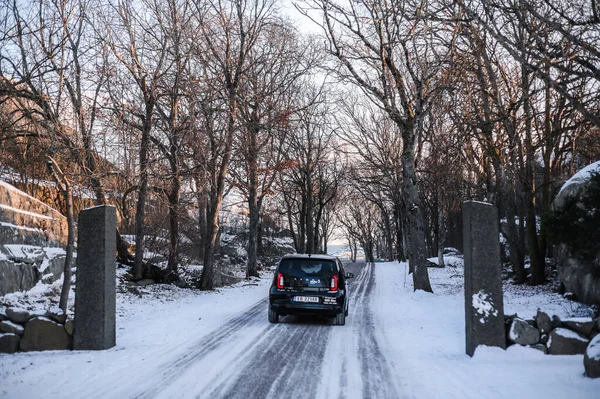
{"x": 375, "y": 128}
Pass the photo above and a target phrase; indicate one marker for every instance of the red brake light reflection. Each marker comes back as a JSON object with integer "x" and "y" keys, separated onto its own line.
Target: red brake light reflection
{"x": 280, "y": 281}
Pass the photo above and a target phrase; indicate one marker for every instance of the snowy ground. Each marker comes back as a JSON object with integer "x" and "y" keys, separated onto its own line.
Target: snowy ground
{"x": 396, "y": 343}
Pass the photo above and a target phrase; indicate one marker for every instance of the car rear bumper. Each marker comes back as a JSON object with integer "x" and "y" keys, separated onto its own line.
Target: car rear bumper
{"x": 283, "y": 304}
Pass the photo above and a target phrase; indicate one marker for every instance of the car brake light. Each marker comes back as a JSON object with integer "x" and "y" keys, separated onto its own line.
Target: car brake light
{"x": 280, "y": 281}
{"x": 334, "y": 283}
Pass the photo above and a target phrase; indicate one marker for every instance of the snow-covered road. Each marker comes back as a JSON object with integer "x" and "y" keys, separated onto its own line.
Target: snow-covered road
{"x": 396, "y": 343}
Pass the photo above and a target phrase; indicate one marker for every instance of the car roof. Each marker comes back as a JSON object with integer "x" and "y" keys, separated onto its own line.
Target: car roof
{"x": 309, "y": 256}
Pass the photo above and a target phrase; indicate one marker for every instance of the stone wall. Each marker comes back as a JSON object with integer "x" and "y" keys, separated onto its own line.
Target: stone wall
{"x": 24, "y": 331}
{"x": 25, "y": 220}
{"x": 31, "y": 237}
{"x": 554, "y": 336}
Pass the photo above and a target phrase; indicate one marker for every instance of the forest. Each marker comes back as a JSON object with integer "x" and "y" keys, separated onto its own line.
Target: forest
{"x": 369, "y": 121}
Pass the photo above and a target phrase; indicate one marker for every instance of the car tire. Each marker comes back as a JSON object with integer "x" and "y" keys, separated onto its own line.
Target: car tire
{"x": 340, "y": 319}
{"x": 346, "y": 313}
{"x": 273, "y": 316}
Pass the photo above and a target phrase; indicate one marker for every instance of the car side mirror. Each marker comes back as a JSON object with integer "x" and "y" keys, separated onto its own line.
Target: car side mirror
{"x": 349, "y": 275}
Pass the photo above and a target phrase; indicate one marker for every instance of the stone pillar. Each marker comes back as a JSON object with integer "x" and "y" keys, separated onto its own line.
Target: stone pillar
{"x": 484, "y": 311}
{"x": 95, "y": 289}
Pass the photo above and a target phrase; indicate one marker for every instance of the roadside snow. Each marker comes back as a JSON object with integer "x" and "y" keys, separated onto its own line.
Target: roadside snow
{"x": 424, "y": 335}
{"x": 152, "y": 322}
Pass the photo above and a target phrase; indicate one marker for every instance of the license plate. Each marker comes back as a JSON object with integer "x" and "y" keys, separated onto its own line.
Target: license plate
{"x": 310, "y": 299}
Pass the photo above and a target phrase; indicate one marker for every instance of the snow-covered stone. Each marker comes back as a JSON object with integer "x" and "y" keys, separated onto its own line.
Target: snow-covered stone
{"x": 57, "y": 315}
{"x": 543, "y": 321}
{"x": 574, "y": 272}
{"x": 591, "y": 358}
{"x": 522, "y": 333}
{"x": 42, "y": 334}
{"x": 563, "y": 341}
{"x": 9, "y": 343}
{"x": 17, "y": 315}
{"x": 583, "y": 325}
{"x": 9, "y": 327}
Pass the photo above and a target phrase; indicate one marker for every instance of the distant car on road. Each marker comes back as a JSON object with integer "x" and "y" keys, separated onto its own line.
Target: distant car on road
{"x": 309, "y": 285}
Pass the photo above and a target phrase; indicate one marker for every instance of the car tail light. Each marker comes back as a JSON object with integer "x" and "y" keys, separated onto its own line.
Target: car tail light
{"x": 334, "y": 283}
{"x": 280, "y": 281}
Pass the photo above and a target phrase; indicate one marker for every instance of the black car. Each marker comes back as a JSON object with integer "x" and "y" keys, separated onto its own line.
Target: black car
{"x": 309, "y": 285}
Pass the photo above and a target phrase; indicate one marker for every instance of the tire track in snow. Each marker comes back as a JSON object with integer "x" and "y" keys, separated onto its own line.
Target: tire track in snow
{"x": 230, "y": 331}
{"x": 376, "y": 374}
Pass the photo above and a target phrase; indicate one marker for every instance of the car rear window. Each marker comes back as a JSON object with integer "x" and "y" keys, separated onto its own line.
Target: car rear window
{"x": 307, "y": 267}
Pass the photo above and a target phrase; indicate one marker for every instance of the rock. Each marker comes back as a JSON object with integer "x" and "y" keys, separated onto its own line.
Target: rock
{"x": 556, "y": 322}
{"x": 57, "y": 315}
{"x": 583, "y": 325}
{"x": 3, "y": 315}
{"x": 591, "y": 358}
{"x": 576, "y": 272}
{"x": 69, "y": 326}
{"x": 9, "y": 327}
{"x": 539, "y": 347}
{"x": 563, "y": 341}
{"x": 544, "y": 322}
{"x": 596, "y": 324}
{"x": 9, "y": 343}
{"x": 42, "y": 334}
{"x": 18, "y": 315}
{"x": 522, "y": 333}
{"x": 544, "y": 338}
{"x": 144, "y": 282}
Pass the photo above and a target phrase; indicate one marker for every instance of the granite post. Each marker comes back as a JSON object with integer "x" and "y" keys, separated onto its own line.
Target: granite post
{"x": 95, "y": 289}
{"x": 484, "y": 311}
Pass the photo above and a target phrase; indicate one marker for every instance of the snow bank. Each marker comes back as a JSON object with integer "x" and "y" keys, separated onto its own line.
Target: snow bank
{"x": 582, "y": 176}
{"x": 425, "y": 335}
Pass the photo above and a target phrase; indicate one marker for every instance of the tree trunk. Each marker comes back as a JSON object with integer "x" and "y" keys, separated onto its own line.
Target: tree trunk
{"x": 208, "y": 271}
{"x": 66, "y": 288}
{"x": 441, "y": 235}
{"x": 140, "y": 211}
{"x": 416, "y": 225}
{"x": 253, "y": 204}
{"x": 202, "y": 217}
{"x": 174, "y": 197}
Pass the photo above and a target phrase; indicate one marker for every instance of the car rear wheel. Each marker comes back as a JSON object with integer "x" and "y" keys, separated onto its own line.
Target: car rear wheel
{"x": 273, "y": 316}
{"x": 340, "y": 319}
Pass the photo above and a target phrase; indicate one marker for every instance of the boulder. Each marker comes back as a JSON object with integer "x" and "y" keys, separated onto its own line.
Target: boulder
{"x": 43, "y": 334}
{"x": 591, "y": 358}
{"x": 575, "y": 271}
{"x": 596, "y": 324}
{"x": 544, "y": 338}
{"x": 556, "y": 322}
{"x": 9, "y": 327}
{"x": 544, "y": 322}
{"x": 563, "y": 341}
{"x": 3, "y": 315}
{"x": 9, "y": 343}
{"x": 539, "y": 347}
{"x": 522, "y": 333}
{"x": 583, "y": 325}
{"x": 18, "y": 315}
{"x": 57, "y": 315}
